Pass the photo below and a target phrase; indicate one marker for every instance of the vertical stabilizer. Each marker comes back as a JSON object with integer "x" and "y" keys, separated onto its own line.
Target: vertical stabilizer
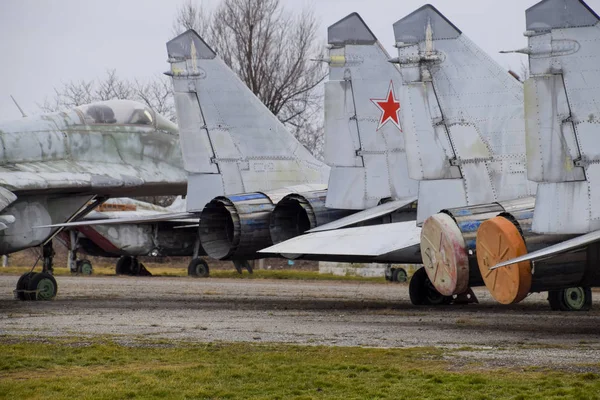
{"x": 462, "y": 117}
{"x": 562, "y": 109}
{"x": 364, "y": 143}
{"x": 231, "y": 143}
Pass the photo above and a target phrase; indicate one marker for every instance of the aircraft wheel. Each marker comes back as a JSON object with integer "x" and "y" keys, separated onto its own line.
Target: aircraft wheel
{"x": 198, "y": 268}
{"x": 422, "y": 292}
{"x": 84, "y": 267}
{"x": 571, "y": 299}
{"x": 399, "y": 275}
{"x": 23, "y": 284}
{"x": 127, "y": 265}
{"x": 42, "y": 286}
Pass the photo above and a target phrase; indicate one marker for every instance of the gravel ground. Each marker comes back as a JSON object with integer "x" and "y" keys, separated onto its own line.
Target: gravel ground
{"x": 303, "y": 312}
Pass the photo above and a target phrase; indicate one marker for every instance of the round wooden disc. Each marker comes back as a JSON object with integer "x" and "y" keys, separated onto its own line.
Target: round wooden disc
{"x": 444, "y": 255}
{"x": 498, "y": 239}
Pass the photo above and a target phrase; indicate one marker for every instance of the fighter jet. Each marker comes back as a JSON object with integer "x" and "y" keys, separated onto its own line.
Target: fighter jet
{"x": 53, "y": 165}
{"x": 561, "y": 111}
{"x": 128, "y": 241}
{"x": 464, "y": 145}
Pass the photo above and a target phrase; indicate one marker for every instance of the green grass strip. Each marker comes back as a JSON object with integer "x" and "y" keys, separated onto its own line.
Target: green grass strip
{"x": 104, "y": 369}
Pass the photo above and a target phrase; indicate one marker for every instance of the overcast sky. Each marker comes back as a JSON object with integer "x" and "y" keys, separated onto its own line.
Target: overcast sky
{"x": 45, "y": 43}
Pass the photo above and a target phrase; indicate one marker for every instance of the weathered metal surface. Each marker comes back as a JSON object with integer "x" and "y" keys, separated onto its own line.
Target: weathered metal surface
{"x": 364, "y": 143}
{"x": 363, "y": 243}
{"x": 499, "y": 239}
{"x": 462, "y": 116}
{"x": 297, "y": 213}
{"x": 366, "y": 215}
{"x": 563, "y": 121}
{"x": 236, "y": 226}
{"x": 229, "y": 129}
{"x": 50, "y": 165}
{"x": 445, "y": 255}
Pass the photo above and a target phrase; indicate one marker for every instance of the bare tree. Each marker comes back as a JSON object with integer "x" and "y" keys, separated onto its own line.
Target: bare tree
{"x": 191, "y": 16}
{"x": 156, "y": 93}
{"x": 270, "y": 49}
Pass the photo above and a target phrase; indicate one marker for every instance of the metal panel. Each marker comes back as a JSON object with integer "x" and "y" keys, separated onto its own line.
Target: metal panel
{"x": 195, "y": 143}
{"x": 440, "y": 194}
{"x": 347, "y": 189}
{"x": 562, "y": 208}
{"x": 202, "y": 188}
{"x": 341, "y": 130}
{"x": 552, "y": 147}
{"x": 366, "y": 215}
{"x": 370, "y": 241}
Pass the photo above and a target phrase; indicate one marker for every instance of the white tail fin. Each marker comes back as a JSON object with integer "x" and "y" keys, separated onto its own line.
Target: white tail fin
{"x": 462, "y": 116}
{"x": 231, "y": 143}
{"x": 562, "y": 108}
{"x": 364, "y": 143}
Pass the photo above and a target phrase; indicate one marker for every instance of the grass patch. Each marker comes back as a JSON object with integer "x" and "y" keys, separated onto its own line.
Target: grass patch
{"x": 217, "y": 273}
{"x": 103, "y": 369}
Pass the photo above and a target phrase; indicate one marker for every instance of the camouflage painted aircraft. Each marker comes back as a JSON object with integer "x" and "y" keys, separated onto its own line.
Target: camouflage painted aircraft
{"x": 128, "y": 241}
{"x": 563, "y": 123}
{"x": 53, "y": 165}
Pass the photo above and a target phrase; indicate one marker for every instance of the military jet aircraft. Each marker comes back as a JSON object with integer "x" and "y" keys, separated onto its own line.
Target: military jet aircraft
{"x": 128, "y": 241}
{"x": 459, "y": 154}
{"x": 561, "y": 110}
{"x": 53, "y": 165}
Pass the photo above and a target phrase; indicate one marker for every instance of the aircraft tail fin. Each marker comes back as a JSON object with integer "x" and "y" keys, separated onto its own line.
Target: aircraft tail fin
{"x": 364, "y": 143}
{"x": 562, "y": 114}
{"x": 462, "y": 115}
{"x": 231, "y": 142}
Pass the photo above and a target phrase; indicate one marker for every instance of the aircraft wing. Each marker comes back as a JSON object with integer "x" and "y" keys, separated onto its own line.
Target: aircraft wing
{"x": 365, "y": 215}
{"x": 183, "y": 217}
{"x": 559, "y": 248}
{"x": 367, "y": 241}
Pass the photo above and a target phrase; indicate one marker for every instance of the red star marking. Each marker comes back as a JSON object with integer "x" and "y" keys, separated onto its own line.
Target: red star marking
{"x": 389, "y": 108}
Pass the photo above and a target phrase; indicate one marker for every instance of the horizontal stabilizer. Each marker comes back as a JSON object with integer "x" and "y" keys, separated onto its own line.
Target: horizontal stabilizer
{"x": 366, "y": 241}
{"x": 366, "y": 215}
{"x": 183, "y": 217}
{"x": 550, "y": 251}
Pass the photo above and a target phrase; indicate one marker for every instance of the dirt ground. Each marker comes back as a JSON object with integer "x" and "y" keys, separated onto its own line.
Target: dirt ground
{"x": 305, "y": 312}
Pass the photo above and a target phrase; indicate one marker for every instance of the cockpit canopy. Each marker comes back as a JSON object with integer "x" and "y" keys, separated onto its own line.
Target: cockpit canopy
{"x": 124, "y": 112}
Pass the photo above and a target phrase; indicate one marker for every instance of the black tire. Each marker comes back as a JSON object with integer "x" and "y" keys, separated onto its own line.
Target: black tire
{"x": 198, "y": 268}
{"x": 126, "y": 265}
{"x": 84, "y": 267}
{"x": 399, "y": 275}
{"x": 416, "y": 288}
{"x": 554, "y": 299}
{"x": 422, "y": 292}
{"x": 576, "y": 299}
{"x": 23, "y": 284}
{"x": 42, "y": 286}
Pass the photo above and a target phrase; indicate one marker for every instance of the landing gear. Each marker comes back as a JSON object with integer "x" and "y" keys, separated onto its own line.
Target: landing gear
{"x": 84, "y": 267}
{"x": 240, "y": 265}
{"x": 198, "y": 268}
{"x": 571, "y": 299}
{"x": 79, "y": 267}
{"x": 39, "y": 285}
{"x": 422, "y": 292}
{"x": 131, "y": 266}
{"x": 399, "y": 275}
